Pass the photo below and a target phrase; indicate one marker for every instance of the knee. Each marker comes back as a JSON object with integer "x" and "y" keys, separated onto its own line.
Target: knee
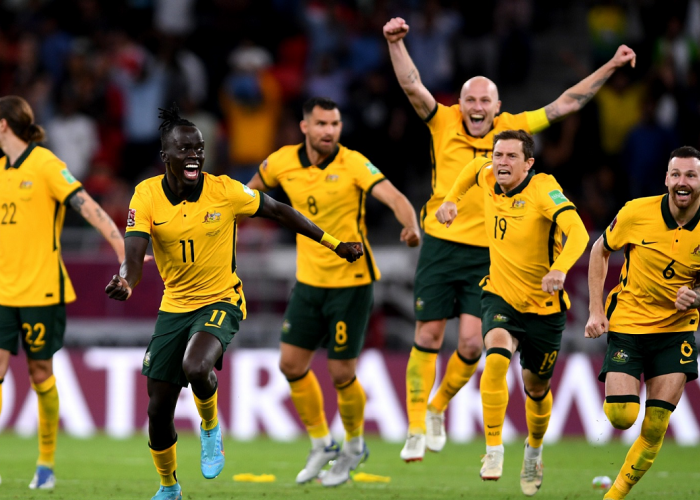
{"x": 196, "y": 369}
{"x": 39, "y": 370}
{"x": 430, "y": 334}
{"x": 291, "y": 370}
{"x": 537, "y": 391}
{"x": 621, "y": 411}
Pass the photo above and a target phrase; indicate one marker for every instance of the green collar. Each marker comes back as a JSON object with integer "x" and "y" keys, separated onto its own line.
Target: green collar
{"x": 174, "y": 199}
{"x": 22, "y": 157}
{"x": 305, "y": 162}
{"x": 466, "y": 130}
{"x": 671, "y": 222}
{"x": 519, "y": 188}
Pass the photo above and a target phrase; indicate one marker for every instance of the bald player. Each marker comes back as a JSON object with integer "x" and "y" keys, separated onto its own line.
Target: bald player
{"x": 452, "y": 262}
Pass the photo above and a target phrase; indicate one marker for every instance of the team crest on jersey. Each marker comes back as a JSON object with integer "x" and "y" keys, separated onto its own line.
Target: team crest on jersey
{"x": 332, "y": 178}
{"x": 25, "y": 184}
{"x": 212, "y": 217}
{"x": 613, "y": 223}
{"x": 147, "y": 358}
{"x": 372, "y": 169}
{"x": 696, "y": 252}
{"x": 620, "y": 357}
{"x": 286, "y": 326}
{"x": 131, "y": 218}
{"x": 419, "y": 304}
{"x": 518, "y": 203}
{"x": 500, "y": 318}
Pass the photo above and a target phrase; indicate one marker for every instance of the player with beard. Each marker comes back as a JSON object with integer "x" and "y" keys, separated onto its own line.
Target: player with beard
{"x": 331, "y": 302}
{"x": 651, "y": 315}
{"x": 191, "y": 218}
{"x": 452, "y": 262}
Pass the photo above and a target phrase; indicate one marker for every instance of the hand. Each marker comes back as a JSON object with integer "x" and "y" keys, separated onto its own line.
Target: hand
{"x": 623, "y": 56}
{"x": 597, "y": 325}
{"x": 349, "y": 251}
{"x": 395, "y": 30}
{"x": 553, "y": 282}
{"x": 148, "y": 258}
{"x": 118, "y": 288}
{"x": 447, "y": 213}
{"x": 685, "y": 298}
{"x": 411, "y": 236}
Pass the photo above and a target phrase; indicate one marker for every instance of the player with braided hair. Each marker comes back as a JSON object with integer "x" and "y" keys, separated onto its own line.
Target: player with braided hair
{"x": 191, "y": 216}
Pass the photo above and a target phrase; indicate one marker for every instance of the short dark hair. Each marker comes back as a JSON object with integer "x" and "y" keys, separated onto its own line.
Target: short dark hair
{"x": 171, "y": 119}
{"x": 322, "y": 102}
{"x": 685, "y": 152}
{"x": 518, "y": 135}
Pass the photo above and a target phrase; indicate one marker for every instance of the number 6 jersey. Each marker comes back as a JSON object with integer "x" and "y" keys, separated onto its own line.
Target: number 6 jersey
{"x": 660, "y": 257}
{"x": 194, "y": 240}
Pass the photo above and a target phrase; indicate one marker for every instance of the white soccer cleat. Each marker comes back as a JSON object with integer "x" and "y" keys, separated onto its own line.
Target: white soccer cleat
{"x": 317, "y": 460}
{"x": 414, "y": 449}
{"x": 436, "y": 437}
{"x": 492, "y": 470}
{"x": 346, "y": 462}
{"x": 43, "y": 479}
{"x": 531, "y": 474}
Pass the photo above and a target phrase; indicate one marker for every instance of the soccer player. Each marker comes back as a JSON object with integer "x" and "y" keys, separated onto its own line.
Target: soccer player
{"x": 523, "y": 302}
{"x": 331, "y": 302}
{"x": 651, "y": 315}
{"x": 34, "y": 286}
{"x": 191, "y": 217}
{"x": 452, "y": 262}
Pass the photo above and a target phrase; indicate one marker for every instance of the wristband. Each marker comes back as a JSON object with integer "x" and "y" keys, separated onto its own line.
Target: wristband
{"x": 329, "y": 241}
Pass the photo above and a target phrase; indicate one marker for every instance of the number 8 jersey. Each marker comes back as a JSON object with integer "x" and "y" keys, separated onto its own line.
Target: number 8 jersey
{"x": 660, "y": 257}
{"x": 194, "y": 240}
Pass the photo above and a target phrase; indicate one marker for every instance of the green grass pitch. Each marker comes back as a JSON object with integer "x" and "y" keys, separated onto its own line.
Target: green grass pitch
{"x": 105, "y": 468}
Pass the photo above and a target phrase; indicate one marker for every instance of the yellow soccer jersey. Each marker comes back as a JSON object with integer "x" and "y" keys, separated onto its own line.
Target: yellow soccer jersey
{"x": 523, "y": 236}
{"x": 194, "y": 240}
{"x": 451, "y": 149}
{"x": 33, "y": 196}
{"x": 332, "y": 195}
{"x": 660, "y": 257}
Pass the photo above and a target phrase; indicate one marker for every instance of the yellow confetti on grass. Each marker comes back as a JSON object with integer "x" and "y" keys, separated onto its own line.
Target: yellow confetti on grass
{"x": 363, "y": 477}
{"x": 254, "y": 478}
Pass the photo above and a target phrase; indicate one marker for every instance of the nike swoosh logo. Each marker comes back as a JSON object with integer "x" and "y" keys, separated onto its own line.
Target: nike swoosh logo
{"x": 159, "y": 223}
{"x": 641, "y": 470}
{"x": 492, "y": 426}
{"x": 686, "y": 361}
{"x": 339, "y": 348}
{"x": 291, "y": 178}
{"x": 648, "y": 242}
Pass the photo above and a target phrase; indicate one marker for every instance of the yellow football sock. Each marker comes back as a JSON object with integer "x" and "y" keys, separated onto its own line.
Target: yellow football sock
{"x": 458, "y": 372}
{"x": 644, "y": 450}
{"x": 420, "y": 377}
{"x": 351, "y": 406}
{"x": 494, "y": 394}
{"x": 207, "y": 410}
{"x": 537, "y": 413}
{"x": 48, "y": 420}
{"x": 166, "y": 464}
{"x": 621, "y": 411}
{"x": 308, "y": 400}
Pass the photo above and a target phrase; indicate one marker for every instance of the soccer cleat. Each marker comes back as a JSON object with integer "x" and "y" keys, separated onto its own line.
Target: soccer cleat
{"x": 212, "y": 461}
{"x": 43, "y": 479}
{"x": 173, "y": 492}
{"x": 414, "y": 449}
{"x": 346, "y": 462}
{"x": 317, "y": 460}
{"x": 531, "y": 474}
{"x": 436, "y": 437}
{"x": 492, "y": 470}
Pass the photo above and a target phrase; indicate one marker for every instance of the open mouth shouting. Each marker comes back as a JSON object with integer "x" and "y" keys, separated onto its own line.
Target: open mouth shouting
{"x": 191, "y": 170}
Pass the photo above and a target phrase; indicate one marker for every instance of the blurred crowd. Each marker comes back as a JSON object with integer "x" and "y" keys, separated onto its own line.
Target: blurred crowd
{"x": 96, "y": 72}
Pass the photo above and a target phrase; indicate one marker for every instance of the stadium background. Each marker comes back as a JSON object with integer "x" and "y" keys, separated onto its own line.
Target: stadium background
{"x": 96, "y": 72}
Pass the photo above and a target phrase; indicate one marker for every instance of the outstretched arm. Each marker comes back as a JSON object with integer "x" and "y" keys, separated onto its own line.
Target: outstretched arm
{"x": 577, "y": 96}
{"x": 120, "y": 287}
{"x": 256, "y": 182}
{"x": 83, "y": 203}
{"x": 292, "y": 219}
{"x": 387, "y": 193}
{"x": 406, "y": 72}
{"x": 597, "y": 323}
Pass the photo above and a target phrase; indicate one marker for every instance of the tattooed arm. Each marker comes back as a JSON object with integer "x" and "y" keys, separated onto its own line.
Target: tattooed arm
{"x": 406, "y": 72}
{"x": 93, "y": 213}
{"x": 577, "y": 96}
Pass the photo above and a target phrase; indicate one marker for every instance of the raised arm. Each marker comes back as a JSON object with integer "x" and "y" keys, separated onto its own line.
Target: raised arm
{"x": 406, "y": 72}
{"x": 576, "y": 97}
{"x": 597, "y": 323}
{"x": 93, "y": 213}
{"x": 387, "y": 193}
{"x": 120, "y": 287}
{"x": 257, "y": 183}
{"x": 292, "y": 219}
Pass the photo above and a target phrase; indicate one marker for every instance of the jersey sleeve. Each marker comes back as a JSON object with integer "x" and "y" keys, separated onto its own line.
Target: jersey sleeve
{"x": 267, "y": 173}
{"x": 438, "y": 117}
{"x": 536, "y": 121}
{"x": 140, "y": 216}
{"x": 60, "y": 181}
{"x": 551, "y": 199}
{"x": 366, "y": 174}
{"x": 470, "y": 175}
{"x": 243, "y": 200}
{"x": 617, "y": 234}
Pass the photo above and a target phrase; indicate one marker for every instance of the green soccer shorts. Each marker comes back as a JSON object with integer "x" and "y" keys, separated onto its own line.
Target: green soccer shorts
{"x": 40, "y": 328}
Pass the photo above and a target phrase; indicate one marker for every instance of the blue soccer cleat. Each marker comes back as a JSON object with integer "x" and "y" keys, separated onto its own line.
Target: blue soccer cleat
{"x": 43, "y": 479}
{"x": 173, "y": 492}
{"x": 212, "y": 461}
